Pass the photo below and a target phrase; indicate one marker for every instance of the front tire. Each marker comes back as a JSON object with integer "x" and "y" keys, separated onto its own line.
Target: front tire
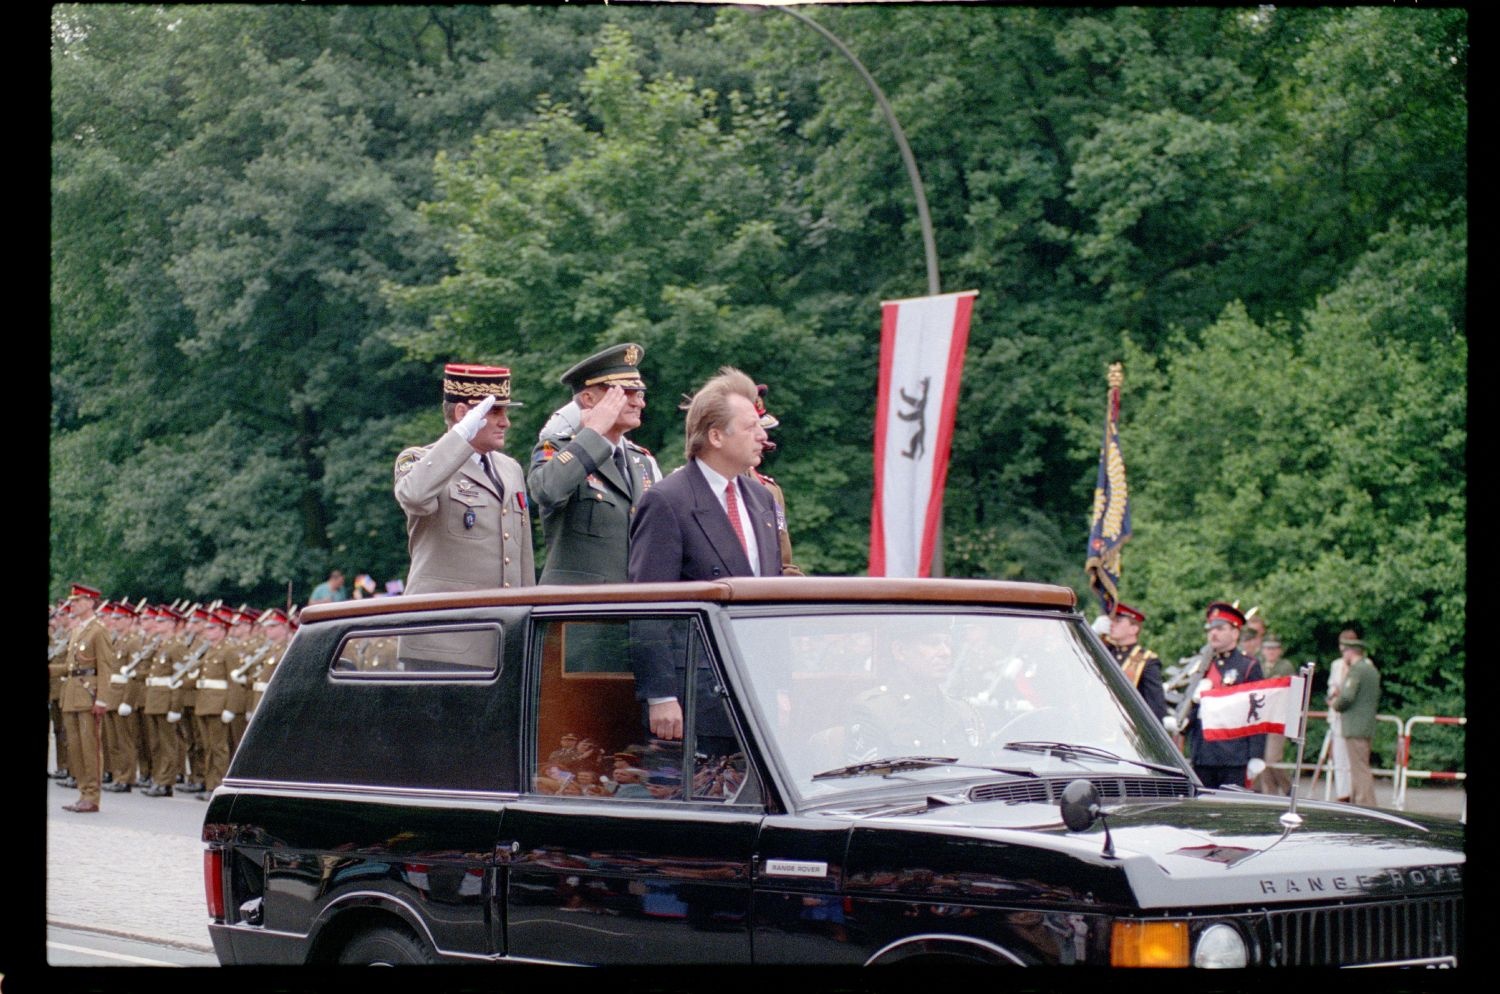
{"x": 385, "y": 946}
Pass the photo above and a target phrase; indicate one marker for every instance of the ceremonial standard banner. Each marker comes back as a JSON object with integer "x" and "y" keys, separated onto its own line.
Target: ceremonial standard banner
{"x": 1273, "y": 705}
{"x": 922, "y": 343}
{"x": 1110, "y": 528}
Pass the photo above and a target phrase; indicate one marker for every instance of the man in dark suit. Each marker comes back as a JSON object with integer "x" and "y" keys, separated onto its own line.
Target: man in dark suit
{"x": 705, "y": 521}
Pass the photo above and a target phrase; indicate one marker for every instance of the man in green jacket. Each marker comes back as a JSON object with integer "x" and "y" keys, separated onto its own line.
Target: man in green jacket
{"x": 586, "y": 476}
{"x": 1356, "y": 701}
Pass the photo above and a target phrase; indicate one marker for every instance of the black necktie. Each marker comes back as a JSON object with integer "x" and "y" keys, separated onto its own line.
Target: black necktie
{"x": 624, "y": 469}
{"x": 494, "y": 476}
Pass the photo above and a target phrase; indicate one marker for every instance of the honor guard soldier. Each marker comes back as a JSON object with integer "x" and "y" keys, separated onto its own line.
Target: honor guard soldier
{"x": 1223, "y": 763}
{"x": 120, "y": 749}
{"x": 467, "y": 520}
{"x": 194, "y": 747}
{"x": 213, "y": 715}
{"x": 158, "y": 710}
{"x": 86, "y": 667}
{"x": 586, "y": 476}
{"x": 59, "y": 627}
{"x": 1142, "y": 666}
{"x": 769, "y": 421}
{"x": 277, "y": 629}
{"x": 246, "y": 643}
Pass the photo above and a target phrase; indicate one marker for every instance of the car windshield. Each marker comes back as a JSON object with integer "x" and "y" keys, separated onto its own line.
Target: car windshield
{"x": 848, "y": 696}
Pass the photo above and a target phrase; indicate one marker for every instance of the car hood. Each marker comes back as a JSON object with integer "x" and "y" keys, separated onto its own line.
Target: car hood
{"x": 1211, "y": 850}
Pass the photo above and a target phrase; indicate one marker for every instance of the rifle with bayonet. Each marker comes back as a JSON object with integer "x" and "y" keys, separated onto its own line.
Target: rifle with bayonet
{"x": 145, "y": 652}
{"x": 187, "y": 664}
{"x": 260, "y": 654}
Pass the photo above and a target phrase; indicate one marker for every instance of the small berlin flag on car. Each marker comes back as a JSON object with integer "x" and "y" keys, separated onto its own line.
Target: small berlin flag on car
{"x": 1255, "y": 708}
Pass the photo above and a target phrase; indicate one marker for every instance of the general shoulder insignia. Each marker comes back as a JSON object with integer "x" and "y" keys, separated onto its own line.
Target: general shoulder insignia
{"x": 406, "y": 460}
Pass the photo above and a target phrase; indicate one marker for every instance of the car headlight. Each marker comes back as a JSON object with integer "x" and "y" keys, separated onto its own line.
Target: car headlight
{"x": 1220, "y": 947}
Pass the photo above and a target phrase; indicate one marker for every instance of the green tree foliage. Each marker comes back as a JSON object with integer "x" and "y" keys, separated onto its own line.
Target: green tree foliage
{"x": 271, "y": 225}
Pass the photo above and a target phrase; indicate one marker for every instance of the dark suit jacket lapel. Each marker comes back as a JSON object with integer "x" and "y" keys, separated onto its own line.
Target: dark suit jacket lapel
{"x": 715, "y": 524}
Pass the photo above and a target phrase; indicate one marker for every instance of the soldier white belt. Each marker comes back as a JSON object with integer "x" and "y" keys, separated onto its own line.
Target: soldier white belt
{"x": 213, "y": 684}
{"x": 259, "y": 686}
{"x": 118, "y": 678}
{"x": 158, "y": 681}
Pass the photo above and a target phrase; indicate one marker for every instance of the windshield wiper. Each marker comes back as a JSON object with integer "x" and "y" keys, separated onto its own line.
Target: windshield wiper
{"x": 896, "y": 764}
{"x": 1067, "y": 750}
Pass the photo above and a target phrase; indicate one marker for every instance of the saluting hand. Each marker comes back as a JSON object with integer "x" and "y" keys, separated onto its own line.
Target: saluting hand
{"x": 603, "y": 415}
{"x": 468, "y": 426}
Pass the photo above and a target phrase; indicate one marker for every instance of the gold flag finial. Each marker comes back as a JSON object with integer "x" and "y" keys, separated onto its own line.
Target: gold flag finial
{"x": 1116, "y": 375}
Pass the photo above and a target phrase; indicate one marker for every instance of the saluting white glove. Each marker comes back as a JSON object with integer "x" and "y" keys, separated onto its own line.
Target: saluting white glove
{"x": 1254, "y": 767}
{"x": 125, "y": 710}
{"x": 174, "y": 716}
{"x": 1169, "y": 722}
{"x": 468, "y": 426}
{"x": 226, "y": 716}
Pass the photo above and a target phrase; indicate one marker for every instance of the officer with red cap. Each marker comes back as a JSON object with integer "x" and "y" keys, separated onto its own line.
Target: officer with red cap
{"x": 85, "y": 666}
{"x": 1142, "y": 666}
{"x": 1222, "y": 762}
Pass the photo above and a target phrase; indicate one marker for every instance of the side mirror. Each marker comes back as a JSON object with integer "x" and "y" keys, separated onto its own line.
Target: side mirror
{"x": 1080, "y": 805}
{"x": 1080, "y": 809}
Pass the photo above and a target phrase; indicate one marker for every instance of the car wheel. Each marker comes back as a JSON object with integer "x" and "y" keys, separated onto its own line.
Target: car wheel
{"x": 386, "y": 947}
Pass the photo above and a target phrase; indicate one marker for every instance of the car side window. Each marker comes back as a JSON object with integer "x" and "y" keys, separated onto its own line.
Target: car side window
{"x": 594, "y": 679}
{"x": 446, "y": 652}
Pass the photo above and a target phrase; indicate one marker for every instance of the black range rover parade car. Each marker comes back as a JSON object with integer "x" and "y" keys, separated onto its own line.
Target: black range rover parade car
{"x": 871, "y": 771}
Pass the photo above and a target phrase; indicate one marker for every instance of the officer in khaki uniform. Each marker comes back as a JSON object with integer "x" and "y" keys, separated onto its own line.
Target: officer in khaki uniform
{"x": 467, "y": 520}
{"x": 158, "y": 708}
{"x": 86, "y": 666}
{"x": 586, "y": 476}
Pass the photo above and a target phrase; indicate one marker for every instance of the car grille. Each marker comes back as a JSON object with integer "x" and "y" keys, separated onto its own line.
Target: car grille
{"x": 1110, "y": 789}
{"x": 1411, "y": 929}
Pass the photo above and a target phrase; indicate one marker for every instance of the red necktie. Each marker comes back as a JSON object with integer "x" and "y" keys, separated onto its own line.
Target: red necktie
{"x": 732, "y": 506}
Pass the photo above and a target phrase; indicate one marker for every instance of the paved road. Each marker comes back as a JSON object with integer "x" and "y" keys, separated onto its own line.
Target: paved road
{"x": 134, "y": 870}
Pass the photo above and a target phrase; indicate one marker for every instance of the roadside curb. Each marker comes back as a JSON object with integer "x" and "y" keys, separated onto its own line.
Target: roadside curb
{"x": 155, "y": 940}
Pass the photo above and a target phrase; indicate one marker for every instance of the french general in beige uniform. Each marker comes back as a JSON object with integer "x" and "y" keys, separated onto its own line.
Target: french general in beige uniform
{"x": 467, "y": 522}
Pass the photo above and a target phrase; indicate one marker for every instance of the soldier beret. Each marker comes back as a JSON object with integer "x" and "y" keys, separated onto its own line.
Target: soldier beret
{"x": 616, "y": 366}
{"x": 468, "y": 384}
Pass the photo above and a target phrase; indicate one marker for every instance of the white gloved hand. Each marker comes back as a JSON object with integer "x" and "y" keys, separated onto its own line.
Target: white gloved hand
{"x": 468, "y": 426}
{"x": 1169, "y": 722}
{"x": 174, "y": 716}
{"x": 226, "y": 716}
{"x": 125, "y": 710}
{"x": 1254, "y": 767}
{"x": 1203, "y": 685}
{"x": 238, "y": 678}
